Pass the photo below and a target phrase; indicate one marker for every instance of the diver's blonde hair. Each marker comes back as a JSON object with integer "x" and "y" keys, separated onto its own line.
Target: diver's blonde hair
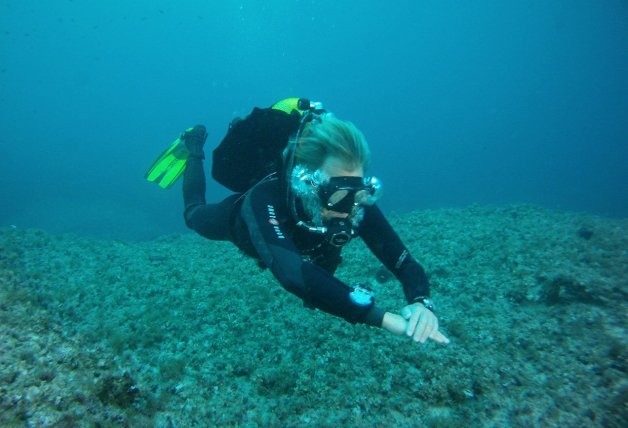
{"x": 332, "y": 137}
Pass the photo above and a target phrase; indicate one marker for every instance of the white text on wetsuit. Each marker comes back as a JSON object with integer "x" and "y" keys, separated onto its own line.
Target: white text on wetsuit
{"x": 272, "y": 219}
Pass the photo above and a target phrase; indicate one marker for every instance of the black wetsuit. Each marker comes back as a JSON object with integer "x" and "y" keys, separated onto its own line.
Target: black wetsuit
{"x": 260, "y": 224}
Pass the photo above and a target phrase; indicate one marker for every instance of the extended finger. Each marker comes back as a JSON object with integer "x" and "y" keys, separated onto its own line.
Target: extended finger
{"x": 439, "y": 337}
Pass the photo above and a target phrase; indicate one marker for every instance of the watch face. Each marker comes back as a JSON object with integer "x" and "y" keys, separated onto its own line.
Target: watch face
{"x": 361, "y": 297}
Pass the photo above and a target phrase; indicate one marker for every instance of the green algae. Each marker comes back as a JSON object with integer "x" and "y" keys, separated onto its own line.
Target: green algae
{"x": 188, "y": 332}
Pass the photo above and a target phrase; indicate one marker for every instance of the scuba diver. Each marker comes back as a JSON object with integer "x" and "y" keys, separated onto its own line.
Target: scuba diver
{"x": 301, "y": 194}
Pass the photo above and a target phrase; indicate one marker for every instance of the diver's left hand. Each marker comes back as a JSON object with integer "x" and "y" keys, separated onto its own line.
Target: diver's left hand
{"x": 422, "y": 324}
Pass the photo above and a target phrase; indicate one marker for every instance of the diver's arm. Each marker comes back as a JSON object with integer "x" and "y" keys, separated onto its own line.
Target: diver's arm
{"x": 313, "y": 284}
{"x": 420, "y": 322}
{"x": 265, "y": 219}
{"x": 386, "y": 245}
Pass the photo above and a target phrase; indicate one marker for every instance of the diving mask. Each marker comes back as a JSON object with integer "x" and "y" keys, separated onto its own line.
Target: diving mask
{"x": 343, "y": 194}
{"x": 346, "y": 195}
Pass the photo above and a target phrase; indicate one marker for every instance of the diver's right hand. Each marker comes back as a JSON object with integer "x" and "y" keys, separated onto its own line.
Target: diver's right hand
{"x": 397, "y": 324}
{"x": 195, "y": 139}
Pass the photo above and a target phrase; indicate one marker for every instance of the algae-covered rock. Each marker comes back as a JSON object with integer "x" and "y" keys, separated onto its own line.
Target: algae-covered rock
{"x": 120, "y": 390}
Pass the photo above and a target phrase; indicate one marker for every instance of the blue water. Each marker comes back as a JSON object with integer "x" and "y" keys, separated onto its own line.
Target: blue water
{"x": 486, "y": 102}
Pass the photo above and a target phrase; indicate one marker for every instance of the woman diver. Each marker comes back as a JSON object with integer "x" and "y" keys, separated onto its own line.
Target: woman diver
{"x": 297, "y": 221}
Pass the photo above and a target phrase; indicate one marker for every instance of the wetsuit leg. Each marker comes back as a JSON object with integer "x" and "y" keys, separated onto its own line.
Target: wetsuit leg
{"x": 212, "y": 221}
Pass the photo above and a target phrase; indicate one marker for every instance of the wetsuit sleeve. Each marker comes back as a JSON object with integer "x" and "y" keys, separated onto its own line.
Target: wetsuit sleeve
{"x": 266, "y": 221}
{"x": 386, "y": 245}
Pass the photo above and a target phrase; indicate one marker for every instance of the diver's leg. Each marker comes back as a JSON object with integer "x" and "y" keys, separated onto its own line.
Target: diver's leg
{"x": 194, "y": 175}
{"x": 193, "y": 186}
{"x": 211, "y": 221}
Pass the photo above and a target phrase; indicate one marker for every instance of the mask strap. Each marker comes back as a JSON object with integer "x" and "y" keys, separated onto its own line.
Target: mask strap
{"x": 313, "y": 114}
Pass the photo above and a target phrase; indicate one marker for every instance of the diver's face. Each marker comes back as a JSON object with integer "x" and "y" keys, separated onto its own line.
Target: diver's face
{"x": 334, "y": 167}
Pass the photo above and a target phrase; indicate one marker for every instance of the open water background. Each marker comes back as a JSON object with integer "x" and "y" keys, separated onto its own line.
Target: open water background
{"x": 481, "y": 102}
